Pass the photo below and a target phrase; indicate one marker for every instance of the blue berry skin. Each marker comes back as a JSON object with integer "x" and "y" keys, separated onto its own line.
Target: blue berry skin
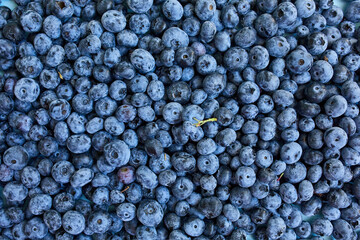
{"x": 285, "y": 14}
{"x": 40, "y": 203}
{"x": 139, "y": 23}
{"x": 304, "y": 230}
{"x": 335, "y": 137}
{"x": 55, "y": 56}
{"x": 81, "y": 177}
{"x": 207, "y": 31}
{"x": 117, "y": 153}
{"x": 31, "y": 21}
{"x": 222, "y": 41}
{"x": 206, "y": 64}
{"x": 351, "y": 11}
{"x": 30, "y": 177}
{"x": 83, "y": 66}
{"x": 113, "y": 21}
{"x": 99, "y": 222}
{"x": 180, "y": 112}
{"x": 267, "y": 81}
{"x": 52, "y": 220}
{"x": 322, "y": 71}
{"x": 172, "y": 112}
{"x": 333, "y": 15}
{"x": 70, "y": 32}
{"x": 266, "y": 25}
{"x": 17, "y": 153}
{"x": 248, "y": 92}
{"x": 204, "y": 10}
{"x": 15, "y": 192}
{"x": 40, "y": 228}
{"x": 27, "y": 89}
{"x": 278, "y": 46}
{"x": 29, "y": 66}
{"x": 140, "y": 6}
{"x": 175, "y": 38}
{"x": 235, "y": 58}
{"x": 297, "y": 168}
{"x": 245, "y": 176}
{"x": 276, "y": 227}
{"x": 73, "y": 222}
{"x": 317, "y": 43}
{"x": 266, "y": 6}
{"x": 142, "y": 60}
{"x": 245, "y": 37}
{"x": 150, "y": 218}
{"x": 322, "y": 227}
{"x": 73, "y": 140}
{"x": 299, "y": 61}
{"x": 172, "y": 10}
{"x": 330, "y": 213}
{"x": 315, "y": 22}
{"x": 342, "y": 46}
{"x": 42, "y": 43}
{"x": 342, "y": 229}
{"x": 259, "y": 57}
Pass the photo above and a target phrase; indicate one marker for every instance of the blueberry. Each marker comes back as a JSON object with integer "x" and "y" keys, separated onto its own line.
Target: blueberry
{"x": 150, "y": 213}
{"x": 235, "y": 58}
{"x": 205, "y": 9}
{"x": 322, "y": 227}
{"x": 240, "y": 197}
{"x": 299, "y": 61}
{"x": 40, "y": 203}
{"x": 15, "y": 192}
{"x": 142, "y": 60}
{"x": 351, "y": 10}
{"x": 342, "y": 46}
{"x": 35, "y": 228}
{"x": 172, "y": 10}
{"x": 342, "y": 229}
{"x": 29, "y": 66}
{"x": 81, "y": 177}
{"x": 206, "y": 146}
{"x": 73, "y": 222}
{"x": 278, "y": 46}
{"x": 321, "y": 71}
{"x": 15, "y": 157}
{"x": 42, "y": 43}
{"x": 31, "y": 21}
{"x": 78, "y": 143}
{"x": 175, "y": 38}
{"x": 83, "y": 66}
{"x": 117, "y": 153}
{"x": 245, "y": 176}
{"x": 140, "y": 6}
{"x": 259, "y": 57}
{"x": 113, "y": 21}
{"x": 169, "y": 116}
{"x": 99, "y": 222}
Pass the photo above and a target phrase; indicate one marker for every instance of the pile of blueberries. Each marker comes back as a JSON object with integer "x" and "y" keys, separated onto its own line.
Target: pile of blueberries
{"x": 179, "y": 120}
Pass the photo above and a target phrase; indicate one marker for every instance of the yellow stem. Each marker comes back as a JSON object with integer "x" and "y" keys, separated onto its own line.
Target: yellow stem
{"x": 61, "y": 77}
{"x": 202, "y": 122}
{"x": 280, "y": 176}
{"x": 125, "y": 189}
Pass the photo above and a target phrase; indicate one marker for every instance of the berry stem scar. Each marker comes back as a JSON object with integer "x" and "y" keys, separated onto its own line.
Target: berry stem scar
{"x": 202, "y": 122}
